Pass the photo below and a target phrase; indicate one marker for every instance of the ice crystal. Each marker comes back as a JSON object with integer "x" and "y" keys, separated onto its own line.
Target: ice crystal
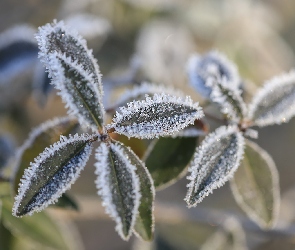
{"x": 119, "y": 186}
{"x": 144, "y": 226}
{"x": 156, "y": 116}
{"x": 77, "y": 91}
{"x": 214, "y": 162}
{"x": 18, "y": 51}
{"x": 52, "y": 173}
{"x": 228, "y": 98}
{"x": 211, "y": 66}
{"x": 74, "y": 71}
{"x": 145, "y": 88}
{"x": 275, "y": 102}
{"x": 56, "y": 124}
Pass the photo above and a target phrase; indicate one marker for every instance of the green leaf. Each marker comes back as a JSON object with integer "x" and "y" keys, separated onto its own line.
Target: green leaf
{"x": 52, "y": 173}
{"x": 6, "y": 237}
{"x": 256, "y": 186}
{"x": 39, "y": 228}
{"x": 144, "y": 225}
{"x": 74, "y": 72}
{"x": 214, "y": 163}
{"x": 159, "y": 115}
{"x": 229, "y": 99}
{"x": 66, "y": 202}
{"x": 118, "y": 185}
{"x": 40, "y": 138}
{"x": 167, "y": 158}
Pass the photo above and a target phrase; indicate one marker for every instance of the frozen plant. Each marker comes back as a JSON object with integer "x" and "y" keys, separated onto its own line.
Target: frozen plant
{"x": 124, "y": 183}
{"x": 225, "y": 153}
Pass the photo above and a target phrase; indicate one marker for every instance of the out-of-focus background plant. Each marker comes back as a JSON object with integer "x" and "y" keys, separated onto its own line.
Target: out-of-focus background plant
{"x": 136, "y": 40}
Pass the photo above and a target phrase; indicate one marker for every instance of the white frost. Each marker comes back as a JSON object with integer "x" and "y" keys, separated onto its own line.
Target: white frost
{"x": 32, "y": 136}
{"x": 275, "y": 101}
{"x": 211, "y": 66}
{"x": 214, "y": 163}
{"x": 75, "y": 54}
{"x": 51, "y": 192}
{"x": 60, "y": 81}
{"x": 103, "y": 171}
{"x": 156, "y": 116}
{"x": 228, "y": 98}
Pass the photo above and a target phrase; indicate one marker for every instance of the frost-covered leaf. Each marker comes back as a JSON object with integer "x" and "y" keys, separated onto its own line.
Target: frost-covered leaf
{"x": 230, "y": 237}
{"x": 7, "y": 148}
{"x": 41, "y": 137}
{"x": 167, "y": 158}
{"x": 275, "y": 102}
{"x": 255, "y": 186}
{"x": 146, "y": 88}
{"x": 40, "y": 229}
{"x": 228, "y": 98}
{"x": 211, "y": 66}
{"x": 118, "y": 185}
{"x": 52, "y": 173}
{"x": 74, "y": 71}
{"x": 214, "y": 163}
{"x": 157, "y": 116}
{"x": 144, "y": 225}
{"x": 66, "y": 202}
{"x": 18, "y": 51}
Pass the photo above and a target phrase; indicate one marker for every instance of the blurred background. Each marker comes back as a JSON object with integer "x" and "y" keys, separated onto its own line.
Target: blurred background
{"x": 135, "y": 40}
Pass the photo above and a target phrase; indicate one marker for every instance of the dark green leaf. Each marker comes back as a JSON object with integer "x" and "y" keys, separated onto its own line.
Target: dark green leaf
{"x": 52, "y": 173}
{"x": 118, "y": 185}
{"x": 74, "y": 72}
{"x": 256, "y": 186}
{"x": 229, "y": 99}
{"x": 159, "y": 115}
{"x": 167, "y": 158}
{"x": 144, "y": 225}
{"x": 214, "y": 163}
{"x": 40, "y": 138}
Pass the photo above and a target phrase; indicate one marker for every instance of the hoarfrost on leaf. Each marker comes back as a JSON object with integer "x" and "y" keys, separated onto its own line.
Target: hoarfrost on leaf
{"x": 144, "y": 225}
{"x": 214, "y": 163}
{"x": 275, "y": 102}
{"x": 228, "y": 98}
{"x": 52, "y": 173}
{"x": 119, "y": 186}
{"x": 41, "y": 137}
{"x": 156, "y": 116}
{"x": 74, "y": 72}
{"x": 78, "y": 92}
{"x": 211, "y": 66}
